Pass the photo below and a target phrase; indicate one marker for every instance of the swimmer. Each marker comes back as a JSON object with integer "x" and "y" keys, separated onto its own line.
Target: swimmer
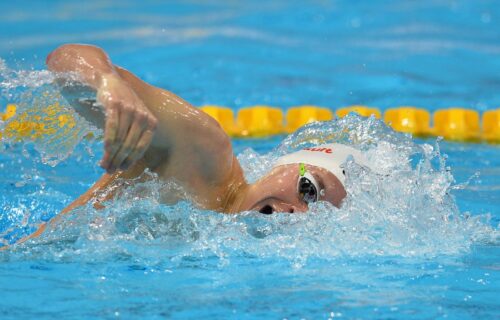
{"x": 146, "y": 127}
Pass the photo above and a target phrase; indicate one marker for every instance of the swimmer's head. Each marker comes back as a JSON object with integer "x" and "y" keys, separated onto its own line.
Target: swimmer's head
{"x": 300, "y": 178}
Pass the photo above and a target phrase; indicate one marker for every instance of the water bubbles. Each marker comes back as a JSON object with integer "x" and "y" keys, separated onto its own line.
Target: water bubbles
{"x": 393, "y": 209}
{"x": 3, "y": 66}
{"x": 402, "y": 205}
{"x": 42, "y": 116}
{"x": 255, "y": 165}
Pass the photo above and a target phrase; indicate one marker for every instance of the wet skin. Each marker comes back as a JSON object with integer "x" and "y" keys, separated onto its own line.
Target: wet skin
{"x": 146, "y": 127}
{"x": 149, "y": 127}
{"x": 278, "y": 192}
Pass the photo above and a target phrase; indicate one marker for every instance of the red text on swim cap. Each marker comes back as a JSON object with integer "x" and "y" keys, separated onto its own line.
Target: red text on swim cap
{"x": 325, "y": 150}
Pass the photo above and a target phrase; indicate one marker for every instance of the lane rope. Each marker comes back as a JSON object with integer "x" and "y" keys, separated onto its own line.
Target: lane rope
{"x": 455, "y": 124}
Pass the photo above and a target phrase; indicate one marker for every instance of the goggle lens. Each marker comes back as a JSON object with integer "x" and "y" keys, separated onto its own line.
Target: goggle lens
{"x": 307, "y": 185}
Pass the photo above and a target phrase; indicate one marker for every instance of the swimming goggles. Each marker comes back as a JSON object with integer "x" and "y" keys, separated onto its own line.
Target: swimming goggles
{"x": 307, "y": 185}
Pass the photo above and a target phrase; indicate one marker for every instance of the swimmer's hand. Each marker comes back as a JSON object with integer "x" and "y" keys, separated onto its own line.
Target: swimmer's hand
{"x": 129, "y": 127}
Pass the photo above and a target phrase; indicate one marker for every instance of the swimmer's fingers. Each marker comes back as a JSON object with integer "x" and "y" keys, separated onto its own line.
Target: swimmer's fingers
{"x": 127, "y": 113}
{"x": 143, "y": 121}
{"x": 128, "y": 146}
{"x": 142, "y": 146}
{"x": 110, "y": 132}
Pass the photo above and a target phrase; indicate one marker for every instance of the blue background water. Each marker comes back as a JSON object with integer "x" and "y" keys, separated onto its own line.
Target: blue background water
{"x": 431, "y": 54}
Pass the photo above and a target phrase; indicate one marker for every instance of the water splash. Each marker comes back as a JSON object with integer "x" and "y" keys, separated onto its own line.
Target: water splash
{"x": 43, "y": 117}
{"x": 403, "y": 207}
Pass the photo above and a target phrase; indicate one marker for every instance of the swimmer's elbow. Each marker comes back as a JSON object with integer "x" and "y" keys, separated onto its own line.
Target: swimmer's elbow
{"x": 64, "y": 52}
{"x": 63, "y": 58}
{"x": 52, "y": 57}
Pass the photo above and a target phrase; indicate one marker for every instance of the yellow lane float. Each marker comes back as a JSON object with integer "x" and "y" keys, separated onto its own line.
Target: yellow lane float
{"x": 408, "y": 119}
{"x": 10, "y": 111}
{"x": 296, "y": 117}
{"x": 457, "y": 124}
{"x": 224, "y": 116}
{"x": 361, "y": 110}
{"x": 260, "y": 121}
{"x": 36, "y": 123}
{"x": 491, "y": 126}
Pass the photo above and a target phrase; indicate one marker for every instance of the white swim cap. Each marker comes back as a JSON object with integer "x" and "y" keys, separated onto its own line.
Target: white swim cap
{"x": 328, "y": 156}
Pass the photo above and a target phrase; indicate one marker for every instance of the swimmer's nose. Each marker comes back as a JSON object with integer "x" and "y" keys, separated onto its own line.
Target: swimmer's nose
{"x": 289, "y": 208}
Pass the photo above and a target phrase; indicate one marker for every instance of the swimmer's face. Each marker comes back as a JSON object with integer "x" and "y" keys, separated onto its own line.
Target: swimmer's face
{"x": 279, "y": 190}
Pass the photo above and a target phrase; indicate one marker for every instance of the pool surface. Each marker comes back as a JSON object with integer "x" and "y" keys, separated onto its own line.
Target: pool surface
{"x": 420, "y": 241}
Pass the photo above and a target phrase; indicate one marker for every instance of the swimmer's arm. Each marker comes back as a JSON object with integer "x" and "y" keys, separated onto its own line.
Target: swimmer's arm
{"x": 193, "y": 140}
{"x": 128, "y": 126}
{"x": 186, "y": 138}
{"x": 192, "y": 143}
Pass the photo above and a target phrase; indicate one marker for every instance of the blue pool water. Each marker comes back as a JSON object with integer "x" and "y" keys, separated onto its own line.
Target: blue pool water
{"x": 422, "y": 243}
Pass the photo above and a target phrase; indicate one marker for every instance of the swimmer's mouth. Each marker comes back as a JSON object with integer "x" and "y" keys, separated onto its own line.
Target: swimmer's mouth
{"x": 267, "y": 209}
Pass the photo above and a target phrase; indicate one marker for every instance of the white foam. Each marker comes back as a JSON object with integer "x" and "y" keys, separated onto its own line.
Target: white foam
{"x": 403, "y": 208}
{"x": 407, "y": 211}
